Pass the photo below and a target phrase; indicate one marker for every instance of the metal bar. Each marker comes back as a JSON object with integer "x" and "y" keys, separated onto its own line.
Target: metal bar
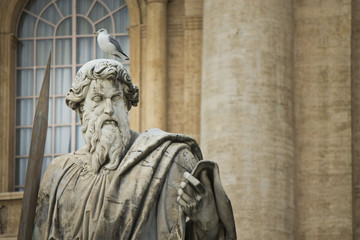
{"x": 35, "y": 160}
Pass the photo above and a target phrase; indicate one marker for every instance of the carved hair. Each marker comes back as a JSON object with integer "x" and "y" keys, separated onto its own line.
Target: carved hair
{"x": 105, "y": 69}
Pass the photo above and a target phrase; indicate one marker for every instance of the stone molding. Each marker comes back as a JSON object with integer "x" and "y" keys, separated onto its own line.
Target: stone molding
{"x": 11, "y": 195}
{"x": 192, "y": 23}
{"x": 143, "y": 30}
{"x": 175, "y": 30}
{"x": 161, "y": 1}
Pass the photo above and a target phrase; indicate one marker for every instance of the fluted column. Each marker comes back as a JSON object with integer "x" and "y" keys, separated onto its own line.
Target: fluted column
{"x": 156, "y": 65}
{"x": 246, "y": 112}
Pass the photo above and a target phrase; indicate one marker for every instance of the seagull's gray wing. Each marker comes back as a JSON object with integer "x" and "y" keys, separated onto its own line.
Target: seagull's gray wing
{"x": 116, "y": 44}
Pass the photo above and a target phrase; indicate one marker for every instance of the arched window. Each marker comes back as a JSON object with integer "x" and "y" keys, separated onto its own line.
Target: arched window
{"x": 66, "y": 28}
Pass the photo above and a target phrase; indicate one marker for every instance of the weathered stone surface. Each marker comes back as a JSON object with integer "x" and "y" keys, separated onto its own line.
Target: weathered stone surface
{"x": 246, "y": 114}
{"x": 323, "y": 119}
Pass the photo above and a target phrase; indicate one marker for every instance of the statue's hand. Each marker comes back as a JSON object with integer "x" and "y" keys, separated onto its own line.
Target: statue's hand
{"x": 196, "y": 198}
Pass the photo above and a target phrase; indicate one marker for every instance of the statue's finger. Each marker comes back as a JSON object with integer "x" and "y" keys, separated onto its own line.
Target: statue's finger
{"x": 188, "y": 198}
{"x": 194, "y": 182}
{"x": 184, "y": 205}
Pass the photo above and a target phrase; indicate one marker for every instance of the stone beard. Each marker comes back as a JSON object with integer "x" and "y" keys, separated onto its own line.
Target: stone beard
{"x": 106, "y": 138}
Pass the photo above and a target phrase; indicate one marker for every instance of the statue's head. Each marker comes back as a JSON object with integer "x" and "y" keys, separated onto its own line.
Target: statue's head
{"x": 103, "y": 94}
{"x": 101, "y": 69}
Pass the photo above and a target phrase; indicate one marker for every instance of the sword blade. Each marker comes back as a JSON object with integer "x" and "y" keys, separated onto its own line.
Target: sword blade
{"x": 35, "y": 161}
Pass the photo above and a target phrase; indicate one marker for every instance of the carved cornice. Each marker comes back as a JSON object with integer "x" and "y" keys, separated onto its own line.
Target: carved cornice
{"x": 14, "y": 41}
{"x": 175, "y": 30}
{"x": 143, "y": 31}
{"x": 172, "y": 30}
{"x": 192, "y": 22}
{"x": 357, "y": 192}
{"x": 152, "y": 1}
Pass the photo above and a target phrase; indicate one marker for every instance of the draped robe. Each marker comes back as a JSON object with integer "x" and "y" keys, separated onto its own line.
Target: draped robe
{"x": 135, "y": 201}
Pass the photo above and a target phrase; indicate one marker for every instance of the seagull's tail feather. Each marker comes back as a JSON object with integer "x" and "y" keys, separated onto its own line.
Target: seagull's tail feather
{"x": 122, "y": 56}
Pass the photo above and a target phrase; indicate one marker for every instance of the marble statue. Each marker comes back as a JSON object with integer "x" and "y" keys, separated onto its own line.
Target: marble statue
{"x": 128, "y": 185}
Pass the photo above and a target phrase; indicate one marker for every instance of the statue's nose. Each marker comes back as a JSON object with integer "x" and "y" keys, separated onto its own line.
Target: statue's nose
{"x": 108, "y": 107}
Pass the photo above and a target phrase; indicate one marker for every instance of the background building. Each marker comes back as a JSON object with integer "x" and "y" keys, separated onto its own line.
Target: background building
{"x": 270, "y": 89}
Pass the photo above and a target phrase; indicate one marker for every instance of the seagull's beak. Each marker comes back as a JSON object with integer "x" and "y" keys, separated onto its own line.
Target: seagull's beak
{"x": 95, "y": 33}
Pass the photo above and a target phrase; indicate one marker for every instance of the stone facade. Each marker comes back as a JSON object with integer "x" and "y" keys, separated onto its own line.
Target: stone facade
{"x": 268, "y": 88}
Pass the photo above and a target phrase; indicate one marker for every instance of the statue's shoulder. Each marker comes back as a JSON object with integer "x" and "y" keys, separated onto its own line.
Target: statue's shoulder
{"x": 63, "y": 162}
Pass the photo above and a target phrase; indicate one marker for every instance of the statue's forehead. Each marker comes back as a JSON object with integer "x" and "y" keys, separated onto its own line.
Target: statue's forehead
{"x": 105, "y": 85}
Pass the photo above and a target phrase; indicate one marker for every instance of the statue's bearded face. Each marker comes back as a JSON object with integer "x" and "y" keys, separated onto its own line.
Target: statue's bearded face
{"x": 105, "y": 124}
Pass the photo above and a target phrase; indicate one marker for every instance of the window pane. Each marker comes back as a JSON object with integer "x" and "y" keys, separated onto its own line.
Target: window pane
{"x": 43, "y": 47}
{"x": 83, "y": 26}
{"x": 25, "y": 54}
{"x": 24, "y": 112}
{"x": 46, "y": 162}
{"x": 40, "y": 73}
{"x": 51, "y": 14}
{"x": 25, "y": 83}
{"x": 84, "y": 50}
{"x": 36, "y": 6}
{"x": 77, "y": 118}
{"x": 98, "y": 12}
{"x": 62, "y": 140}
{"x": 63, "y": 112}
{"x": 106, "y": 23}
{"x": 79, "y": 138}
{"x": 26, "y": 25}
{"x": 121, "y": 19}
{"x": 64, "y": 28}
{"x": 20, "y": 169}
{"x": 44, "y": 30}
{"x": 63, "y": 81}
{"x": 23, "y": 139}
{"x": 83, "y": 6}
{"x": 114, "y": 4}
{"x": 65, "y": 6}
{"x": 48, "y": 144}
{"x": 63, "y": 52}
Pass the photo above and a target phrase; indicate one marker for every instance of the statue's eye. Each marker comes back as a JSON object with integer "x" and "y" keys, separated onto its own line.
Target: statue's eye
{"x": 116, "y": 98}
{"x": 97, "y": 98}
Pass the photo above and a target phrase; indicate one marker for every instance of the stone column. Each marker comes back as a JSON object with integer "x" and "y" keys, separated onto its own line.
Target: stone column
{"x": 156, "y": 67}
{"x": 7, "y": 114}
{"x": 192, "y": 23}
{"x": 247, "y": 111}
{"x": 355, "y": 86}
{"x": 322, "y": 74}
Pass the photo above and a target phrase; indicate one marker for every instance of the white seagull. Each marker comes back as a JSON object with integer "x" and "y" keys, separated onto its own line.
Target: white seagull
{"x": 110, "y": 45}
